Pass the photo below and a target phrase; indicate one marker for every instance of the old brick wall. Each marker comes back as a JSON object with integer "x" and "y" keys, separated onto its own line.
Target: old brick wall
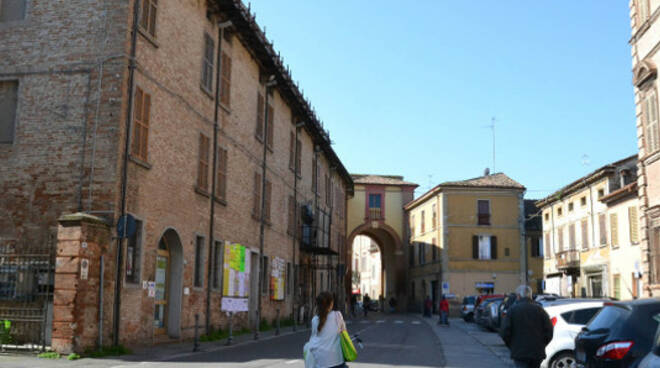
{"x": 56, "y": 54}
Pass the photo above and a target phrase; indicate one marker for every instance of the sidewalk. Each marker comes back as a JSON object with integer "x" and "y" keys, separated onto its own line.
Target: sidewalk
{"x": 465, "y": 345}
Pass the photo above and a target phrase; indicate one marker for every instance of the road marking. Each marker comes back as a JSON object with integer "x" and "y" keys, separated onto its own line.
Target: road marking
{"x": 292, "y": 361}
{"x": 380, "y": 321}
{"x": 364, "y": 321}
{"x": 398, "y": 322}
{"x": 416, "y": 322}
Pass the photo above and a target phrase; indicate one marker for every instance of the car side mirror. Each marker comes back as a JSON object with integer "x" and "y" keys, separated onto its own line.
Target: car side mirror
{"x": 584, "y": 329}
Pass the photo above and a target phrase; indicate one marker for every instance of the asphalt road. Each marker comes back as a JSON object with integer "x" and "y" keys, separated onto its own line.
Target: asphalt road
{"x": 389, "y": 341}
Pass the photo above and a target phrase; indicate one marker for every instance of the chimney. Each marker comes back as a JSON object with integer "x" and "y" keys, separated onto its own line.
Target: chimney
{"x": 487, "y": 172}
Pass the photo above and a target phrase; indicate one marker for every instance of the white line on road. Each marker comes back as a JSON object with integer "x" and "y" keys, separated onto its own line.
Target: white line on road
{"x": 292, "y": 361}
{"x": 398, "y": 322}
{"x": 364, "y": 321}
{"x": 416, "y": 322}
{"x": 380, "y": 321}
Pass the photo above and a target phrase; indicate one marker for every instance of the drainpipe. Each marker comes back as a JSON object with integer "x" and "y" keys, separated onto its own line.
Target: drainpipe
{"x": 299, "y": 126}
{"x": 124, "y": 174}
{"x": 270, "y": 83}
{"x": 221, "y": 27}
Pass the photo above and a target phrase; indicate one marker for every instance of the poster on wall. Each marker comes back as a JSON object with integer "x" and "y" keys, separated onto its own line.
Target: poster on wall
{"x": 277, "y": 276}
{"x": 236, "y": 271}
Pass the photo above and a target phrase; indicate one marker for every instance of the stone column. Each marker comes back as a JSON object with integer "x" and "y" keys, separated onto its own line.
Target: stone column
{"x": 81, "y": 240}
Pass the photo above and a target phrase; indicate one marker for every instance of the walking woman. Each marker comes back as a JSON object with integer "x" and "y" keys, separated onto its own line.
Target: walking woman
{"x": 324, "y": 344}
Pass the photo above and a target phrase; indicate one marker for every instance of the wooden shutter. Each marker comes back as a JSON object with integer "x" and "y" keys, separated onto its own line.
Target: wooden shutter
{"x": 271, "y": 127}
{"x": 221, "y": 185}
{"x": 141, "y": 114}
{"x": 292, "y": 151}
{"x": 475, "y": 246}
{"x": 571, "y": 236}
{"x": 259, "y": 132}
{"x": 225, "y": 82}
{"x": 614, "y": 230}
{"x": 601, "y": 229}
{"x": 493, "y": 247}
{"x": 203, "y": 167}
{"x": 633, "y": 222}
{"x": 207, "y": 63}
{"x": 267, "y": 197}
{"x": 650, "y": 119}
{"x": 256, "y": 210}
{"x": 298, "y": 157}
{"x": 560, "y": 236}
{"x": 585, "y": 233}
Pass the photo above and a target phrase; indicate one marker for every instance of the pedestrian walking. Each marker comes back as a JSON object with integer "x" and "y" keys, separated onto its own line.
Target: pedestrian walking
{"x": 324, "y": 345}
{"x": 444, "y": 311}
{"x": 526, "y": 330}
{"x": 392, "y": 304}
{"x": 428, "y": 306}
{"x": 366, "y": 301}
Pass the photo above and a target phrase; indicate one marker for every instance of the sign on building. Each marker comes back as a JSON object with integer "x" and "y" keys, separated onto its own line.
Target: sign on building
{"x": 236, "y": 278}
{"x": 277, "y": 278}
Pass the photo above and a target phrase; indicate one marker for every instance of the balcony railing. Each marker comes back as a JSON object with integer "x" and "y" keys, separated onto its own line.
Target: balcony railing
{"x": 568, "y": 259}
{"x": 375, "y": 213}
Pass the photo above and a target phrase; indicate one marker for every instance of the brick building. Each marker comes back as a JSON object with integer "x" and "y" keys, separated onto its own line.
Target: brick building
{"x": 109, "y": 108}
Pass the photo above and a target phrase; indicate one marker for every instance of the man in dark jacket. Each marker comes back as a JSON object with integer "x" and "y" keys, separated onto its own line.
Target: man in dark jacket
{"x": 527, "y": 330}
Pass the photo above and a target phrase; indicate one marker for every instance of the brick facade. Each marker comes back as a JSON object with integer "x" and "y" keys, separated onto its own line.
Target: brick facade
{"x": 67, "y": 153}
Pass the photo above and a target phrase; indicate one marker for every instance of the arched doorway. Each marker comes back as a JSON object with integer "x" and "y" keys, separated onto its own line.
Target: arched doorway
{"x": 393, "y": 265}
{"x": 169, "y": 276}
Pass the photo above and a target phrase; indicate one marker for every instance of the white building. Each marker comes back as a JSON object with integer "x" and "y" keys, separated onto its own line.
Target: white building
{"x": 367, "y": 264}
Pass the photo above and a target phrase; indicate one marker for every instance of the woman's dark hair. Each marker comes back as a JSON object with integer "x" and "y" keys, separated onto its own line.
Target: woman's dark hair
{"x": 323, "y": 302}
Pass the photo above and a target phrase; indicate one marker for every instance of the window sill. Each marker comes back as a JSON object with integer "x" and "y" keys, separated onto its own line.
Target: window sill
{"x": 139, "y": 162}
{"x": 202, "y": 192}
{"x": 259, "y": 138}
{"x": 206, "y": 92}
{"x": 225, "y": 107}
{"x": 220, "y": 201}
{"x": 148, "y": 37}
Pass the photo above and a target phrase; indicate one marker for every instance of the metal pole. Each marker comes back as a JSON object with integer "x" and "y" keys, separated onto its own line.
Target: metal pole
{"x": 277, "y": 324}
{"x": 196, "y": 341}
{"x": 101, "y": 281}
{"x": 262, "y": 216}
{"x": 231, "y": 329}
{"x": 124, "y": 182}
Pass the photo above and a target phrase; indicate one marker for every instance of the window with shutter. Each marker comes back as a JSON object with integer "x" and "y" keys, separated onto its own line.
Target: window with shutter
{"x": 207, "y": 63}
{"x": 601, "y": 229}
{"x": 584, "y": 230}
{"x": 434, "y": 216}
{"x": 475, "y": 247}
{"x": 642, "y": 11}
{"x": 221, "y": 184}
{"x": 259, "y": 132}
{"x": 422, "y": 223}
{"x": 203, "y": 166}
{"x": 614, "y": 230}
{"x": 12, "y": 10}
{"x": 8, "y": 104}
{"x": 650, "y": 120}
{"x": 560, "y": 237}
{"x": 256, "y": 208}
{"x": 298, "y": 157}
{"x": 633, "y": 221}
{"x": 199, "y": 262}
{"x": 493, "y": 247}
{"x": 271, "y": 128}
{"x": 225, "y": 80}
{"x": 571, "y": 236}
{"x": 292, "y": 151}
{"x": 148, "y": 16}
{"x": 483, "y": 207}
{"x": 141, "y": 114}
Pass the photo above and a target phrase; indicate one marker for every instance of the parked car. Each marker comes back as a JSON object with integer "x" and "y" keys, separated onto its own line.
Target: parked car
{"x": 493, "y": 315}
{"x": 652, "y": 359}
{"x": 503, "y": 309}
{"x": 482, "y": 313}
{"x": 480, "y": 299}
{"x": 568, "y": 320}
{"x": 546, "y": 298}
{"x": 620, "y": 335}
{"x": 467, "y": 309}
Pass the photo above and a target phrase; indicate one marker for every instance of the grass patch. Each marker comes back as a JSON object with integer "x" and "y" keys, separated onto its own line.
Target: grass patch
{"x": 108, "y": 351}
{"x": 265, "y": 326}
{"x": 73, "y": 356}
{"x": 286, "y": 322}
{"x": 216, "y": 335}
{"x": 49, "y": 355}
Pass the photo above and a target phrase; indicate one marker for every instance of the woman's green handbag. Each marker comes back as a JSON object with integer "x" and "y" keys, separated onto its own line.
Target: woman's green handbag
{"x": 347, "y": 347}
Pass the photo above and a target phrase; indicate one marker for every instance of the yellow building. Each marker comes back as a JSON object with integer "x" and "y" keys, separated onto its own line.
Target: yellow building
{"x": 467, "y": 237}
{"x": 591, "y": 232}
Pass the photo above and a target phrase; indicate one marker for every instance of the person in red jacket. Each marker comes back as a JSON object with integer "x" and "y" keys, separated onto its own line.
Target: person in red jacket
{"x": 444, "y": 311}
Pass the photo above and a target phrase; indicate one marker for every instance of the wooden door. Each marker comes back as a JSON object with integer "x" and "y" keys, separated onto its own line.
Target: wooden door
{"x": 162, "y": 283}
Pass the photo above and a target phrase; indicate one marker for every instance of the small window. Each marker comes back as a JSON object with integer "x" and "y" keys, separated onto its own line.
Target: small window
{"x": 483, "y": 209}
{"x": 650, "y": 122}
{"x": 633, "y": 223}
{"x": 375, "y": 206}
{"x": 560, "y": 211}
{"x": 8, "y": 103}
{"x": 601, "y": 192}
{"x": 221, "y": 180}
{"x": 583, "y": 201}
{"x": 506, "y": 252}
{"x": 570, "y": 207}
{"x": 547, "y": 216}
{"x": 203, "y": 164}
{"x": 614, "y": 229}
{"x": 601, "y": 229}
{"x": 12, "y": 10}
{"x": 207, "y": 63}
{"x": 141, "y": 113}
{"x": 148, "y": 16}
{"x": 199, "y": 262}
{"x": 133, "y": 254}
{"x": 298, "y": 157}
{"x": 217, "y": 264}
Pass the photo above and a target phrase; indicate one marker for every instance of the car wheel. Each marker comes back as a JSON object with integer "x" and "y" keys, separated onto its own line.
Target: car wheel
{"x": 563, "y": 360}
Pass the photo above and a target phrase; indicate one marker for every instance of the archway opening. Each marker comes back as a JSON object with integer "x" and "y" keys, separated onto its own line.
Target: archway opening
{"x": 367, "y": 269}
{"x": 169, "y": 287}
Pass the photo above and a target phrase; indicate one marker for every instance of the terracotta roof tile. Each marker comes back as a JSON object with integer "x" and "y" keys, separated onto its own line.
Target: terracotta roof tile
{"x": 380, "y": 179}
{"x": 497, "y": 180}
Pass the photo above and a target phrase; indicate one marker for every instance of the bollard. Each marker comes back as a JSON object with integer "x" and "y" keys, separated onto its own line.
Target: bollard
{"x": 294, "y": 319}
{"x": 196, "y": 342}
{"x": 277, "y": 323}
{"x": 231, "y": 332}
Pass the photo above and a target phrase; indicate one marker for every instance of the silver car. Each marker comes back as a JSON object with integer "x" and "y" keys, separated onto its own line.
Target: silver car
{"x": 467, "y": 309}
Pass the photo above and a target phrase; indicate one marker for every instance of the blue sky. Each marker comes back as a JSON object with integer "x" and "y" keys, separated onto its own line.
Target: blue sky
{"x": 409, "y": 88}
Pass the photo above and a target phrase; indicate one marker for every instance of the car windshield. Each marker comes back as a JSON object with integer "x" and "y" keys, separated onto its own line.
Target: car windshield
{"x": 468, "y": 300}
{"x": 608, "y": 317}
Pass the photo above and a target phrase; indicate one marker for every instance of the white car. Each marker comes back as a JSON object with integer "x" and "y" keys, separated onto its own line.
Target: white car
{"x": 568, "y": 317}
